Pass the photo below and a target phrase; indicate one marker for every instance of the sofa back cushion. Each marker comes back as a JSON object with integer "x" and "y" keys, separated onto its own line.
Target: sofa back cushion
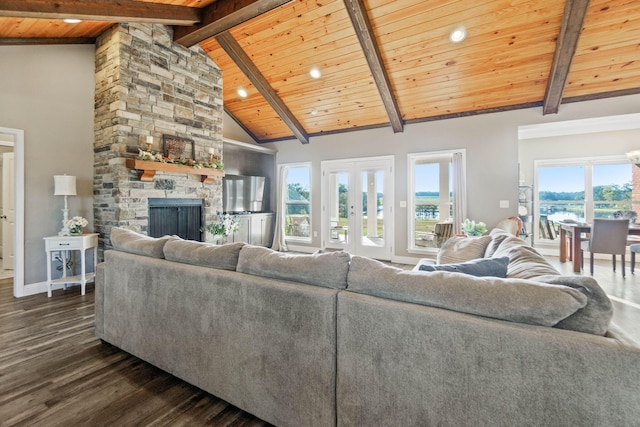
{"x": 524, "y": 261}
{"x": 459, "y": 249}
{"x": 129, "y": 241}
{"x": 326, "y": 269}
{"x": 515, "y": 300}
{"x": 223, "y": 257}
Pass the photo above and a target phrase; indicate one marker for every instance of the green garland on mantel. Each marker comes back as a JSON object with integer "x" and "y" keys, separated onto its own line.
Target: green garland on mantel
{"x": 150, "y": 156}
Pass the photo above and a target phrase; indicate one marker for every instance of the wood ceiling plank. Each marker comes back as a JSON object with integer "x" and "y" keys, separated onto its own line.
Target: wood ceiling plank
{"x": 364, "y": 31}
{"x": 233, "y": 49}
{"x": 222, "y": 16}
{"x": 101, "y": 10}
{"x": 572, "y": 21}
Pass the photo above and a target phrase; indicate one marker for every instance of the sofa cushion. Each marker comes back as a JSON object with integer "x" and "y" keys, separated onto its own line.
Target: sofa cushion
{"x": 129, "y": 241}
{"x": 462, "y": 248}
{"x": 524, "y": 261}
{"x": 497, "y": 237}
{"x": 222, "y": 257}
{"x": 328, "y": 269}
{"x": 481, "y": 267}
{"x": 516, "y": 300}
{"x": 596, "y": 316}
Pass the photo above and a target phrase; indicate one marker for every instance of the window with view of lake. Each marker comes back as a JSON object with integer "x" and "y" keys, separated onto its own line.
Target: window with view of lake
{"x": 583, "y": 191}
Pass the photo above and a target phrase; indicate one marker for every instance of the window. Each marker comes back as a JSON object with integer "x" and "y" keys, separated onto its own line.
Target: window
{"x": 435, "y": 207}
{"x": 581, "y": 190}
{"x": 298, "y": 202}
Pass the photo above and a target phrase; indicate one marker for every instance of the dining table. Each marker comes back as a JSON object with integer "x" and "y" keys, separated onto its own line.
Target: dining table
{"x": 572, "y": 249}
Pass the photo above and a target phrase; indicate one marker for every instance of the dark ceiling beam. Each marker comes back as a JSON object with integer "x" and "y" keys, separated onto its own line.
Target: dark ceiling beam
{"x": 101, "y": 10}
{"x": 13, "y": 41}
{"x": 566, "y": 44}
{"x": 221, "y": 16}
{"x": 242, "y": 60}
{"x": 364, "y": 31}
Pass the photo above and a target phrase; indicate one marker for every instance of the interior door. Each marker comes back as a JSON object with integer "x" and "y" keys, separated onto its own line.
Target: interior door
{"x": 8, "y": 211}
{"x": 357, "y": 206}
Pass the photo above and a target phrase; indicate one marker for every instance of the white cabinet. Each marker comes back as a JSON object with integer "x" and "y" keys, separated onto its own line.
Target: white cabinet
{"x": 255, "y": 229}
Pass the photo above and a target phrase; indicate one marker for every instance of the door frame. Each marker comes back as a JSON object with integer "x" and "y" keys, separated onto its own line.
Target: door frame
{"x": 18, "y": 264}
{"x": 352, "y": 165}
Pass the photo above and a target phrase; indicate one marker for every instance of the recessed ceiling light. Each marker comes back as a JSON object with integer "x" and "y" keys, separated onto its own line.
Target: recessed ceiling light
{"x": 72, "y": 20}
{"x": 315, "y": 73}
{"x": 458, "y": 35}
{"x": 242, "y": 92}
{"x": 314, "y": 112}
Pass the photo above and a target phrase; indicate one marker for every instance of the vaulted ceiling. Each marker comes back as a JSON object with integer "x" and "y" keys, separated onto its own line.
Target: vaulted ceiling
{"x": 382, "y": 62}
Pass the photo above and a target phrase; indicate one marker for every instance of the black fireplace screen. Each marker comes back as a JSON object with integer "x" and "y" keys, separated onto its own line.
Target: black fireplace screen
{"x": 180, "y": 217}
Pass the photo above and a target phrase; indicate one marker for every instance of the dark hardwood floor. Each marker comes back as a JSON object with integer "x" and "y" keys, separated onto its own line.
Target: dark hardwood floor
{"x": 55, "y": 372}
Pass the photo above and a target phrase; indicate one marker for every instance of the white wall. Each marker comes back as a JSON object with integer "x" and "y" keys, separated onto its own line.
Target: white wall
{"x": 491, "y": 142}
{"x": 47, "y": 91}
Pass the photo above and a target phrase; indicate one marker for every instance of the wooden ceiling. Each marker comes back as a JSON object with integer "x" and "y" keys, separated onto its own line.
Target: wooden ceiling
{"x": 383, "y": 62}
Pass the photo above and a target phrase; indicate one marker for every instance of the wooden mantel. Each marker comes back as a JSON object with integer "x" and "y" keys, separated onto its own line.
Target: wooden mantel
{"x": 148, "y": 170}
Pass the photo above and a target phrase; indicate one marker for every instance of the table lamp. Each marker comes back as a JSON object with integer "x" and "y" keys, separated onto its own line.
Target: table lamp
{"x": 64, "y": 186}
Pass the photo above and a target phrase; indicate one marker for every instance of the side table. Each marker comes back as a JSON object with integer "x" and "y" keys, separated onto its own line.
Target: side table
{"x": 64, "y": 244}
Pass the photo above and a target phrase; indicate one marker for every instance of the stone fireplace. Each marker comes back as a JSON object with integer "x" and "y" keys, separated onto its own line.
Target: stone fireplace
{"x": 148, "y": 86}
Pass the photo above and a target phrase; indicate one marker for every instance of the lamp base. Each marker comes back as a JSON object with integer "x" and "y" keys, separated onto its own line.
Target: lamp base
{"x": 65, "y": 217}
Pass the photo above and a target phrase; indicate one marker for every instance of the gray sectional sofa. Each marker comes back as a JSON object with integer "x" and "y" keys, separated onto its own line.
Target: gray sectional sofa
{"x": 332, "y": 339}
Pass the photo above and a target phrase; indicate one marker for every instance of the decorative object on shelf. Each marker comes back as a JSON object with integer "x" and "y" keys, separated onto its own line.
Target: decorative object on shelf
{"x": 472, "y": 228}
{"x": 176, "y": 148}
{"x": 148, "y": 169}
{"x": 225, "y": 226}
{"x": 65, "y": 185}
{"x": 525, "y": 212}
{"x": 75, "y": 225}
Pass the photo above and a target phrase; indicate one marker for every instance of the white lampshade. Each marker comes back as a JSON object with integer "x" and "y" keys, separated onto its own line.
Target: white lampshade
{"x": 65, "y": 185}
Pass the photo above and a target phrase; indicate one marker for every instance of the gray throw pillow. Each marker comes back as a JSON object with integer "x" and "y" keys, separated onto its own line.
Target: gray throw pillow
{"x": 135, "y": 243}
{"x": 462, "y": 249}
{"x": 223, "y": 257}
{"x": 495, "y": 267}
{"x": 516, "y": 300}
{"x": 328, "y": 269}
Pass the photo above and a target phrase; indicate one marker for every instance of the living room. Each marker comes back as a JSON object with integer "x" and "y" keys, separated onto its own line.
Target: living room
{"x": 48, "y": 93}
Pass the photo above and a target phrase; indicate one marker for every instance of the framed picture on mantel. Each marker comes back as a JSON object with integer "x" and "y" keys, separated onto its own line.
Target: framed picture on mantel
{"x": 176, "y": 147}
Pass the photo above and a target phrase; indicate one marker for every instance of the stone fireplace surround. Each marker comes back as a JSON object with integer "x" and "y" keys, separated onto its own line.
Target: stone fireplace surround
{"x": 147, "y": 85}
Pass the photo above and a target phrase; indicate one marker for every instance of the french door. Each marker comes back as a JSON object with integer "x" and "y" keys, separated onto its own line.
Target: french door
{"x": 357, "y": 202}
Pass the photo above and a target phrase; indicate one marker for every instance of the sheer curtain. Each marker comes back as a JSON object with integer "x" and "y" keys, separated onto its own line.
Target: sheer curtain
{"x": 279, "y": 242}
{"x": 459, "y": 191}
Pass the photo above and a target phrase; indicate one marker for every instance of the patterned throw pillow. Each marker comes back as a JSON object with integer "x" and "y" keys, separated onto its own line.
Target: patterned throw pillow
{"x": 462, "y": 249}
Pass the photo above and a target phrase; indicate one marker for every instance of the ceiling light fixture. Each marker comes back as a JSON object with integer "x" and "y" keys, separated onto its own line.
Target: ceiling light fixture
{"x": 242, "y": 93}
{"x": 72, "y": 20}
{"x": 314, "y": 112}
{"x": 315, "y": 73}
{"x": 458, "y": 35}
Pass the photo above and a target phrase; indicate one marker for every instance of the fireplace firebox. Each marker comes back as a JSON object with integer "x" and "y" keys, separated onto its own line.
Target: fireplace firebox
{"x": 180, "y": 217}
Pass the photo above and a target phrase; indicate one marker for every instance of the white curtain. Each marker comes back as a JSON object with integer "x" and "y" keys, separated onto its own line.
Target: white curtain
{"x": 279, "y": 242}
{"x": 459, "y": 192}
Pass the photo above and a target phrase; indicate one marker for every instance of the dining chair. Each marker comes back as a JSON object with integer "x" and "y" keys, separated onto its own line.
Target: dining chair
{"x": 608, "y": 236}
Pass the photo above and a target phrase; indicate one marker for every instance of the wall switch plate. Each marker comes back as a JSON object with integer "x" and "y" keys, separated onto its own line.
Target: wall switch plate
{"x": 315, "y": 234}
{"x": 403, "y": 203}
{"x": 504, "y": 204}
